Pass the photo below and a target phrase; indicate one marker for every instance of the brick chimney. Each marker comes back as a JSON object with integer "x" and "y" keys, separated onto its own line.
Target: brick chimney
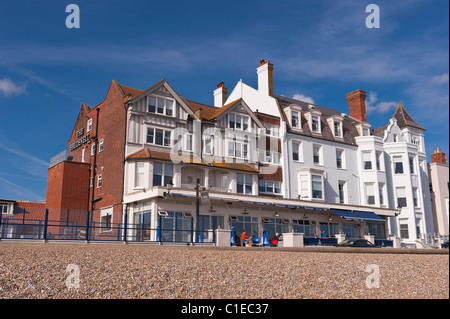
{"x": 438, "y": 156}
{"x": 357, "y": 105}
{"x": 265, "y": 77}
{"x": 220, "y": 94}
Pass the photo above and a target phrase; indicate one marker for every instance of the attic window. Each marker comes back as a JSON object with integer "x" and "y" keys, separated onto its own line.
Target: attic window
{"x": 295, "y": 119}
{"x": 337, "y": 129}
{"x": 160, "y": 106}
{"x": 315, "y": 127}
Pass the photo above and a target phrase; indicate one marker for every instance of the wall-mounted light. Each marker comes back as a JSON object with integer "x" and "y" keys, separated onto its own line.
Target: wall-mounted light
{"x": 277, "y": 214}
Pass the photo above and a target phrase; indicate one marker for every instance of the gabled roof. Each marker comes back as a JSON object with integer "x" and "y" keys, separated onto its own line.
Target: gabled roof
{"x": 404, "y": 119}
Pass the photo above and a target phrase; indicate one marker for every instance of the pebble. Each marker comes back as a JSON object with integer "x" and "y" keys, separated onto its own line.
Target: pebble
{"x": 37, "y": 271}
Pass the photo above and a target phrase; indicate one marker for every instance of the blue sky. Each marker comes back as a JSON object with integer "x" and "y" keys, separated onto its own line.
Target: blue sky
{"x": 321, "y": 50}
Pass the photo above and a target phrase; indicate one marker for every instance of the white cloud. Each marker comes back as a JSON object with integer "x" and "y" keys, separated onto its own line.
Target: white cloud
{"x": 380, "y": 107}
{"x": 8, "y": 87}
{"x": 440, "y": 79}
{"x": 303, "y": 98}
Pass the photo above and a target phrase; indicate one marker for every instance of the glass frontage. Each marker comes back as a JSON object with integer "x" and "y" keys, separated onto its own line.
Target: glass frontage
{"x": 176, "y": 227}
{"x": 330, "y": 229}
{"x": 352, "y": 230}
{"x": 274, "y": 226}
{"x": 142, "y": 225}
{"x": 376, "y": 228}
{"x": 247, "y": 223}
{"x": 303, "y": 226}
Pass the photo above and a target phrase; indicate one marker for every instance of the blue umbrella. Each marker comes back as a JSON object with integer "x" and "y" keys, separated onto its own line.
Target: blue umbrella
{"x": 266, "y": 242}
{"x": 232, "y": 239}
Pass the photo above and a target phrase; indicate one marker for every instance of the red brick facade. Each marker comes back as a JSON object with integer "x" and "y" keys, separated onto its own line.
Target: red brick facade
{"x": 68, "y": 182}
{"x": 357, "y": 105}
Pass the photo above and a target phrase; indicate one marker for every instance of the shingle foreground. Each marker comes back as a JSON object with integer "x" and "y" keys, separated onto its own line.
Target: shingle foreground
{"x": 145, "y": 271}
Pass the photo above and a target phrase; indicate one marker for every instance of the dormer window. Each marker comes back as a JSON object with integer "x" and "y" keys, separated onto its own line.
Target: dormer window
{"x": 160, "y": 106}
{"x": 295, "y": 119}
{"x": 337, "y": 129}
{"x": 272, "y": 130}
{"x": 314, "y": 120}
{"x": 315, "y": 124}
{"x": 238, "y": 122}
{"x": 335, "y": 123}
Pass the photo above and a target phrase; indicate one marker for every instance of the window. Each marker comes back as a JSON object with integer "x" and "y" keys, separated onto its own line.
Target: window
{"x": 411, "y": 165}
{"x": 351, "y": 229}
{"x": 295, "y": 119}
{"x": 398, "y": 165}
{"x": 4, "y": 208}
{"x": 272, "y": 157}
{"x": 365, "y": 131}
{"x": 188, "y": 142}
{"x": 317, "y": 186}
{"x": 272, "y": 130}
{"x": 238, "y": 122}
{"x": 274, "y": 226}
{"x": 160, "y": 106}
{"x": 236, "y": 149}
{"x": 330, "y": 229}
{"x": 106, "y": 219}
{"x": 99, "y": 181}
{"x": 100, "y": 146}
{"x": 341, "y": 188}
{"x": 158, "y": 136}
{"x": 315, "y": 124}
{"x": 92, "y": 149}
{"x": 162, "y": 174}
{"x": 139, "y": 175}
{"x": 269, "y": 187}
{"x": 338, "y": 129}
{"x": 89, "y": 125}
{"x": 244, "y": 183}
{"x": 296, "y": 154}
{"x": 316, "y": 154}
{"x": 415, "y": 197}
{"x": 404, "y": 229}
{"x": 303, "y": 226}
{"x": 209, "y": 145}
{"x": 370, "y": 194}
{"x": 401, "y": 196}
{"x": 378, "y": 160}
{"x": 367, "y": 160}
{"x": 339, "y": 159}
{"x": 304, "y": 186}
{"x": 381, "y": 193}
{"x": 224, "y": 181}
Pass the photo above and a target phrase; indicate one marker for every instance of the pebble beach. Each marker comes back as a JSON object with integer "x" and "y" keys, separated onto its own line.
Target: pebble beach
{"x": 37, "y": 270}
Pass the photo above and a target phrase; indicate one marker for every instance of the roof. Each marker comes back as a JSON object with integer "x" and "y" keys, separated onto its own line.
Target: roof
{"x": 209, "y": 112}
{"x": 404, "y": 119}
{"x": 146, "y": 153}
{"x": 126, "y": 90}
{"x": 348, "y": 123}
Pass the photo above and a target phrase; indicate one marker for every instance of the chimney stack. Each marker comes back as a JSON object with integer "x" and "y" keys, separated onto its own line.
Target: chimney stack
{"x": 438, "y": 156}
{"x": 265, "y": 77}
{"x": 220, "y": 94}
{"x": 357, "y": 105}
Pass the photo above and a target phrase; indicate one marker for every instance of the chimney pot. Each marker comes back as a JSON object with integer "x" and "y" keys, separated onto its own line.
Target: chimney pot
{"x": 220, "y": 94}
{"x": 265, "y": 77}
{"x": 438, "y": 156}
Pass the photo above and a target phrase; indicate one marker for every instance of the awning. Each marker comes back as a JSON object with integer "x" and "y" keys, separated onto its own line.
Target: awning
{"x": 369, "y": 215}
{"x": 347, "y": 214}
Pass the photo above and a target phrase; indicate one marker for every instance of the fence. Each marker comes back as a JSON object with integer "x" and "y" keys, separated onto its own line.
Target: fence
{"x": 45, "y": 229}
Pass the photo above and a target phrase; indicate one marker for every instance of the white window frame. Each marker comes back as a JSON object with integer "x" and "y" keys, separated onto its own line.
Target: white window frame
{"x": 299, "y": 146}
{"x": 272, "y": 130}
{"x": 99, "y": 180}
{"x": 299, "y": 119}
{"x": 100, "y": 145}
{"x": 165, "y": 105}
{"x": 93, "y": 148}
{"x": 342, "y": 152}
{"x": 369, "y": 190}
{"x": 238, "y": 147}
{"x": 89, "y": 125}
{"x": 318, "y": 128}
{"x": 367, "y": 158}
{"x": 268, "y": 185}
{"x": 320, "y": 154}
{"x": 165, "y": 132}
{"x": 139, "y": 175}
{"x": 344, "y": 191}
{"x": 241, "y": 119}
{"x": 105, "y": 213}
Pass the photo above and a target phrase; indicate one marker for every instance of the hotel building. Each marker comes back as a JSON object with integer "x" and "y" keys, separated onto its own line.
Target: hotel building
{"x": 262, "y": 160}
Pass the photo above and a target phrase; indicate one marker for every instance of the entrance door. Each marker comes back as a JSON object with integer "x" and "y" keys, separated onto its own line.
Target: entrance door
{"x": 142, "y": 225}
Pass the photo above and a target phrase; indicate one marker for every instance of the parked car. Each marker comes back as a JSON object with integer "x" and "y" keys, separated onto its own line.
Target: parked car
{"x": 356, "y": 243}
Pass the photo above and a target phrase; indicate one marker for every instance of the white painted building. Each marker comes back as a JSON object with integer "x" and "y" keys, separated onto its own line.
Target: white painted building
{"x": 273, "y": 163}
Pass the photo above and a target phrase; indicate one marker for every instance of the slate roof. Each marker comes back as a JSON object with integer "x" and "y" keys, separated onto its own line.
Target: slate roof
{"x": 404, "y": 119}
{"x": 348, "y": 123}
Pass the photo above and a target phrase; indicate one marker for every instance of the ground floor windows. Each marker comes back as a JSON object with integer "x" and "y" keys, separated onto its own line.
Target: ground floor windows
{"x": 303, "y": 226}
{"x": 404, "y": 229}
{"x": 247, "y": 223}
{"x": 378, "y": 229}
{"x": 352, "y": 230}
{"x": 275, "y": 226}
{"x": 175, "y": 227}
{"x": 328, "y": 229}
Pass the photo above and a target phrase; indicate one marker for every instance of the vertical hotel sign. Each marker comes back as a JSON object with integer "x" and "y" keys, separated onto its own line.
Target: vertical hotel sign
{"x": 81, "y": 141}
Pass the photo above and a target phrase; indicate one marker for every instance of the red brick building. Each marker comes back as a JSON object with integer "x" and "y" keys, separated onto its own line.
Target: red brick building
{"x": 72, "y": 182}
